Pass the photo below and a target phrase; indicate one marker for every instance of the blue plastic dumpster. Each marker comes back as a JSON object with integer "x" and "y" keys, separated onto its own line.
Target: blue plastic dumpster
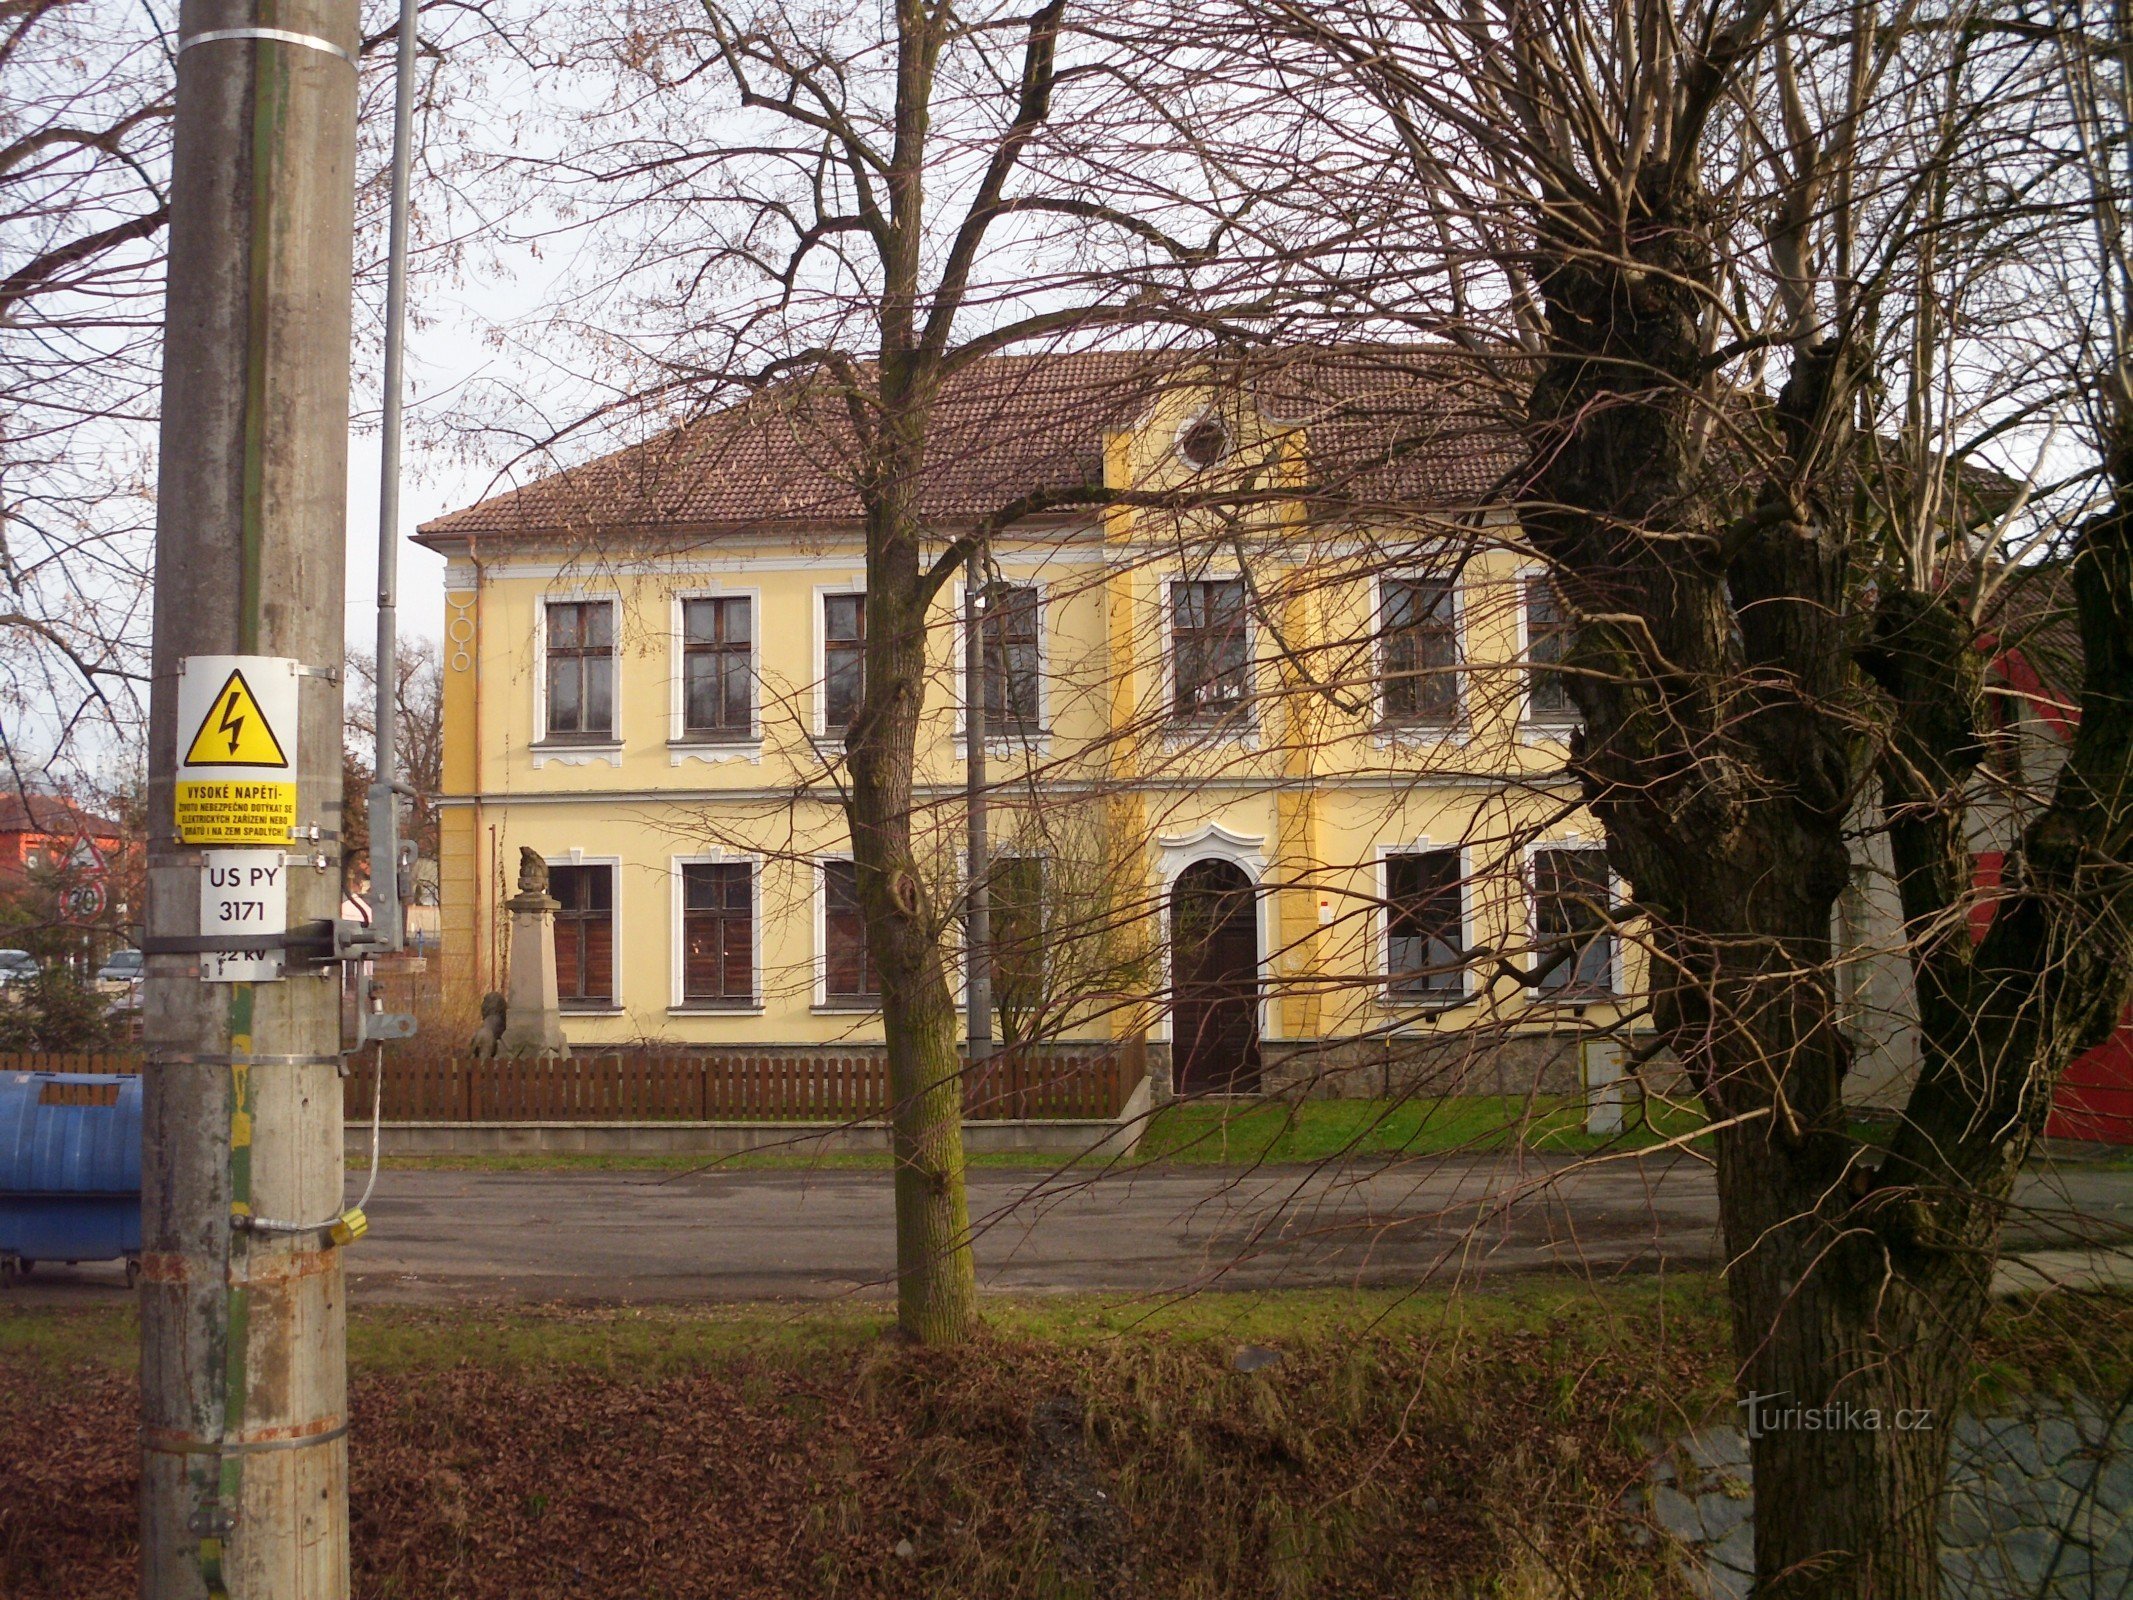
{"x": 70, "y": 1169}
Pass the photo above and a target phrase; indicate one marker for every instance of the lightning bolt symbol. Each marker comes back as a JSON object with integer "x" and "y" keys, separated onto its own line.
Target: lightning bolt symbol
{"x": 231, "y": 723}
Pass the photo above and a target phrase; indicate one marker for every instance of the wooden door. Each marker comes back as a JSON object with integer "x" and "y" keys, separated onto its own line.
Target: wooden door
{"x": 1214, "y": 951}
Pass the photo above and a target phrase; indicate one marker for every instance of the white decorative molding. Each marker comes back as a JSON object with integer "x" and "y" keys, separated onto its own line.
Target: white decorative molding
{"x": 566, "y": 756}
{"x": 461, "y": 636}
{"x": 1245, "y": 851}
{"x": 712, "y": 754}
{"x": 1212, "y": 842}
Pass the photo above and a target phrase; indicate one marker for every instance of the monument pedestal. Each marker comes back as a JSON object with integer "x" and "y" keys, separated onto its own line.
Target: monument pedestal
{"x": 533, "y": 1016}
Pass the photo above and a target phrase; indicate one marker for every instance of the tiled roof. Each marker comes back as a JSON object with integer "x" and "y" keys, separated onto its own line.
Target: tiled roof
{"x": 39, "y": 812}
{"x": 1404, "y": 425}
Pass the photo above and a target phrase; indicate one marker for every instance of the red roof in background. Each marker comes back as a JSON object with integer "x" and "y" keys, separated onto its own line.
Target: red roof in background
{"x": 1384, "y": 425}
{"x": 2035, "y": 643}
{"x": 52, "y": 814}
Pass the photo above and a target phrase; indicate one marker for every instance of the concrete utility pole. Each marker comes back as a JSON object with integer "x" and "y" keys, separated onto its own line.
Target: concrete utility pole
{"x": 243, "y": 1361}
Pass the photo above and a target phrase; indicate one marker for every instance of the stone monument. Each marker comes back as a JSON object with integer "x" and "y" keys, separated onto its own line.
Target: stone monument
{"x": 533, "y": 1019}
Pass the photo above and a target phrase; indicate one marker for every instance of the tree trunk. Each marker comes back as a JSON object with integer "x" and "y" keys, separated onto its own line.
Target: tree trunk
{"x": 936, "y": 1282}
{"x": 1852, "y": 1362}
{"x": 1720, "y": 752}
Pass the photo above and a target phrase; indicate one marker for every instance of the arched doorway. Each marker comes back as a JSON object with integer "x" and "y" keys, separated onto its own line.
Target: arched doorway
{"x": 1214, "y": 953}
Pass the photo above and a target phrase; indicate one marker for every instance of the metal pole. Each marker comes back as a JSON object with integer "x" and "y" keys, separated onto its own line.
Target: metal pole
{"x": 385, "y": 902}
{"x": 977, "y": 930}
{"x": 244, "y": 1465}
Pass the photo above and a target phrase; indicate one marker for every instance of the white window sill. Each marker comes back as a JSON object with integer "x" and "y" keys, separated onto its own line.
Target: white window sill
{"x": 707, "y": 749}
{"x": 1241, "y": 732}
{"x": 1005, "y": 747}
{"x": 577, "y": 752}
{"x": 1450, "y": 1000}
{"x": 713, "y": 1008}
{"x": 590, "y": 1009}
{"x": 847, "y": 1008}
{"x": 1547, "y": 732}
{"x": 1403, "y": 735}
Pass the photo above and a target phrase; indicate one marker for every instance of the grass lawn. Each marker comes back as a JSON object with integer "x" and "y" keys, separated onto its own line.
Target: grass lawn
{"x": 1397, "y": 1445}
{"x": 1322, "y": 1130}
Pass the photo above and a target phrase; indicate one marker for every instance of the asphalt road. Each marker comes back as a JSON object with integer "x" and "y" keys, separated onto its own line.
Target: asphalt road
{"x": 745, "y": 1235}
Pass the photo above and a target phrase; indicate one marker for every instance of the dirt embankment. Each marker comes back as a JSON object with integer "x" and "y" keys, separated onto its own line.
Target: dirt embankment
{"x": 1386, "y": 1462}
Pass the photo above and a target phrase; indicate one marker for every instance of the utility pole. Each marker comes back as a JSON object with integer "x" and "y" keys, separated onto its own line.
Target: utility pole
{"x": 243, "y": 1352}
{"x": 977, "y": 919}
{"x": 391, "y": 879}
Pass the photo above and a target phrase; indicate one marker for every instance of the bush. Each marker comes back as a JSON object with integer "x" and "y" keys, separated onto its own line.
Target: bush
{"x": 56, "y": 1010}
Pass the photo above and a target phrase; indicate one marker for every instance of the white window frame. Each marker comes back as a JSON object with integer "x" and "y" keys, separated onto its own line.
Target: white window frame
{"x": 1533, "y": 729}
{"x": 576, "y": 857}
{"x": 1457, "y": 730}
{"x": 680, "y": 1004}
{"x": 822, "y": 1000}
{"x": 581, "y": 752}
{"x": 996, "y": 742}
{"x": 1243, "y": 725}
{"x": 1449, "y": 999}
{"x": 820, "y": 714}
{"x": 1529, "y": 889}
{"x": 682, "y": 745}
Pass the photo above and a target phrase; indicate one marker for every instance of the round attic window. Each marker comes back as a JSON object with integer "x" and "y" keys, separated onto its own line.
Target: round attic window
{"x": 1204, "y": 442}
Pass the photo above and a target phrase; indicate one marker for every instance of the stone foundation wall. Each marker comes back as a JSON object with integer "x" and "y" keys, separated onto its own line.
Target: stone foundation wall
{"x": 1448, "y": 1064}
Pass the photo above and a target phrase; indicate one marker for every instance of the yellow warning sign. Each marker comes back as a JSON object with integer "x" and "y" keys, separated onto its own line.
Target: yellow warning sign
{"x": 237, "y": 737}
{"x": 235, "y": 813}
{"x": 235, "y": 732}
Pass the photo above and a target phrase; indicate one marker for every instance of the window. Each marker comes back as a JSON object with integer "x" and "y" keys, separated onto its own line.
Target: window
{"x": 1203, "y": 443}
{"x": 844, "y": 660}
{"x": 1547, "y": 641}
{"x": 581, "y": 669}
{"x": 584, "y": 934}
{"x": 1425, "y": 935}
{"x": 848, "y": 973}
{"x": 717, "y": 669}
{"x": 717, "y": 933}
{"x": 1421, "y": 651}
{"x": 1210, "y": 660}
{"x": 1009, "y": 625}
{"x": 1015, "y": 911}
{"x": 1573, "y": 938}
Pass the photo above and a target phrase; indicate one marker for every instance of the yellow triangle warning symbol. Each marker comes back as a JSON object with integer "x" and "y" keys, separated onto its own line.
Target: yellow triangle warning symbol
{"x": 235, "y": 732}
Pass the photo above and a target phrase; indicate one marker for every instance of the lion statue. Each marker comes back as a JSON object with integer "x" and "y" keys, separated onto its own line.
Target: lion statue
{"x": 488, "y": 1038}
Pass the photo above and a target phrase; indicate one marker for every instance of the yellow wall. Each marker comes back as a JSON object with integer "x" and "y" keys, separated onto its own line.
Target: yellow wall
{"x": 1317, "y": 785}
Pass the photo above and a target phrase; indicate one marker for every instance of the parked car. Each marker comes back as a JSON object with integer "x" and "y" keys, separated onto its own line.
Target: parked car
{"x": 123, "y": 967}
{"x": 120, "y": 978}
{"x": 16, "y": 967}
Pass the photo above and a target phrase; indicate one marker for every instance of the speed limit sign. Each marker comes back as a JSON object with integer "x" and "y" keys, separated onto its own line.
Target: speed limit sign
{"x": 83, "y": 902}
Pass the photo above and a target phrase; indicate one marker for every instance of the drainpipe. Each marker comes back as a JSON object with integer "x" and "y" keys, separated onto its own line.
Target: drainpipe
{"x": 977, "y": 929}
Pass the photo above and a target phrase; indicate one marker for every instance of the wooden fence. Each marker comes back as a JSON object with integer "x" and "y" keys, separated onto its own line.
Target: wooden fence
{"x": 68, "y": 1061}
{"x": 738, "y": 1087}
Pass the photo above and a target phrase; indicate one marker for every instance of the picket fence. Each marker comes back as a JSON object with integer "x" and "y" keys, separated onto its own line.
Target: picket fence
{"x": 739, "y": 1087}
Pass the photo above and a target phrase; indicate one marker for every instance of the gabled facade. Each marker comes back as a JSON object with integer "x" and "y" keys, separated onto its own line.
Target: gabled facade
{"x": 1275, "y": 771}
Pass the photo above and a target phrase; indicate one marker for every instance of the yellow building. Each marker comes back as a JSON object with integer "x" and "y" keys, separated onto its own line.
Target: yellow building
{"x": 1273, "y": 782}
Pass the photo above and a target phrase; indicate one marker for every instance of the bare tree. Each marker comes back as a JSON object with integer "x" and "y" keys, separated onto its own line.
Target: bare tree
{"x": 1756, "y": 287}
{"x": 889, "y": 201}
{"x": 84, "y": 143}
{"x": 420, "y": 676}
